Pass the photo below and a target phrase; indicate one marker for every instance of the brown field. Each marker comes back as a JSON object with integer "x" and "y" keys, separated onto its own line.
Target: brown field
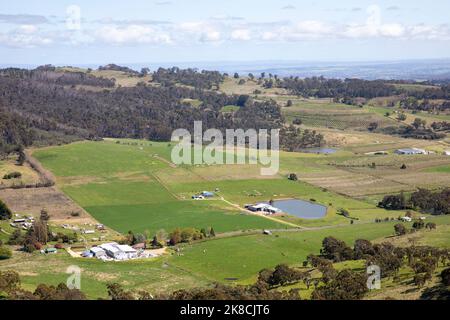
{"x": 33, "y": 200}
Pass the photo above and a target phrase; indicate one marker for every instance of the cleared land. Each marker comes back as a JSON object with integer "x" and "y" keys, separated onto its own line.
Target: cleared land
{"x": 123, "y": 186}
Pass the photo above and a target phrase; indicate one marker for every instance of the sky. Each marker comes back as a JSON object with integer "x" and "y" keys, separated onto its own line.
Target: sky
{"x": 81, "y": 32}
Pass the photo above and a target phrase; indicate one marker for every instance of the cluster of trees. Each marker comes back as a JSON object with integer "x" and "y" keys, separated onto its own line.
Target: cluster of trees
{"x": 423, "y": 260}
{"x": 401, "y": 230}
{"x": 49, "y": 74}
{"x": 441, "y": 126}
{"x": 39, "y": 234}
{"x": 190, "y": 77}
{"x": 184, "y": 235}
{"x": 10, "y": 288}
{"x": 414, "y": 131}
{"x": 294, "y": 138}
{"x": 115, "y": 67}
{"x": 412, "y": 103}
{"x": 162, "y": 238}
{"x": 335, "y": 88}
{"x": 427, "y": 201}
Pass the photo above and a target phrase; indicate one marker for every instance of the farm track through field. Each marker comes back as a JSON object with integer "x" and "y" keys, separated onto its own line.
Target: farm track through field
{"x": 164, "y": 186}
{"x": 261, "y": 215}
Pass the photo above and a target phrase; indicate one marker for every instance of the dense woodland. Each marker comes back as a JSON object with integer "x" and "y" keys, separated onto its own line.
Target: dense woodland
{"x": 50, "y": 106}
{"x": 36, "y": 108}
{"x": 321, "y": 87}
{"x": 190, "y": 77}
{"x": 427, "y": 201}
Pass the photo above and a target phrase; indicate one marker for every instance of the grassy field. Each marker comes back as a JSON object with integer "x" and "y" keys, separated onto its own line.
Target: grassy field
{"x": 131, "y": 185}
{"x": 249, "y": 254}
{"x": 118, "y": 184}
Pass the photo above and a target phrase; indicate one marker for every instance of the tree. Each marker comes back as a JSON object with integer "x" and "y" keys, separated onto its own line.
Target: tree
{"x": 430, "y": 226}
{"x": 372, "y": 126}
{"x": 236, "y": 75}
{"x": 162, "y": 237}
{"x": 393, "y": 202}
{"x": 39, "y": 231}
{"x": 241, "y": 82}
{"x": 9, "y": 281}
{"x": 44, "y": 216}
{"x": 293, "y": 177}
{"x": 419, "y": 123}
{"x": 155, "y": 242}
{"x": 335, "y": 250}
{"x": 401, "y": 116}
{"x": 5, "y": 212}
{"x": 116, "y": 292}
{"x": 419, "y": 224}
{"x": 400, "y": 229}
{"x": 212, "y": 233}
{"x": 445, "y": 276}
{"x": 283, "y": 275}
{"x": 289, "y": 103}
{"x": 362, "y": 248}
{"x": 348, "y": 285}
{"x": 297, "y": 121}
{"x": 175, "y": 237}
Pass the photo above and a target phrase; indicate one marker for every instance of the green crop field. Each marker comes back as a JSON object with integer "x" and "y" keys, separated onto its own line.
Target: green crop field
{"x": 116, "y": 184}
{"x": 131, "y": 185}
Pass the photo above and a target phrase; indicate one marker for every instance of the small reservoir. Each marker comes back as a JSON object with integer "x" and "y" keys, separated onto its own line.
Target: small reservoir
{"x": 301, "y": 209}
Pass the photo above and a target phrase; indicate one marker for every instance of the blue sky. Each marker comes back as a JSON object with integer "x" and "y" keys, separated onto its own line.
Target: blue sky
{"x": 136, "y": 31}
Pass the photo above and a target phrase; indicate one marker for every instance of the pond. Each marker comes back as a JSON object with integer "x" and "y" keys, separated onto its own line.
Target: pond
{"x": 319, "y": 150}
{"x": 301, "y": 209}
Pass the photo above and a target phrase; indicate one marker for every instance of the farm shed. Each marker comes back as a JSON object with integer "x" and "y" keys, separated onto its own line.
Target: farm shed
{"x": 207, "y": 194}
{"x": 411, "y": 151}
{"x": 98, "y": 252}
{"x": 118, "y": 252}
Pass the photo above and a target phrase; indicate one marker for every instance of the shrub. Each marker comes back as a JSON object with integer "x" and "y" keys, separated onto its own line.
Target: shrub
{"x": 445, "y": 275}
{"x": 5, "y": 253}
{"x": 5, "y": 213}
{"x": 12, "y": 175}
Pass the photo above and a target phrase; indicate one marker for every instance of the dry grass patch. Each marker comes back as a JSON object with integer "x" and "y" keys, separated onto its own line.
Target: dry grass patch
{"x": 33, "y": 200}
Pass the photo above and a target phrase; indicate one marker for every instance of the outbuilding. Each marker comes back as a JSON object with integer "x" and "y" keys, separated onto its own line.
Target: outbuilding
{"x": 410, "y": 151}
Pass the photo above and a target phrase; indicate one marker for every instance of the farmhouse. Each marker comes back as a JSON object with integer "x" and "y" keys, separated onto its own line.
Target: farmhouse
{"x": 118, "y": 252}
{"x": 410, "y": 151}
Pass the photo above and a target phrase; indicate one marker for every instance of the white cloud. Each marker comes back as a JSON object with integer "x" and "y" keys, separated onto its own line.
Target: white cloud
{"x": 241, "y": 34}
{"x": 132, "y": 34}
{"x": 25, "y": 36}
{"x": 217, "y": 30}
{"x": 200, "y": 30}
